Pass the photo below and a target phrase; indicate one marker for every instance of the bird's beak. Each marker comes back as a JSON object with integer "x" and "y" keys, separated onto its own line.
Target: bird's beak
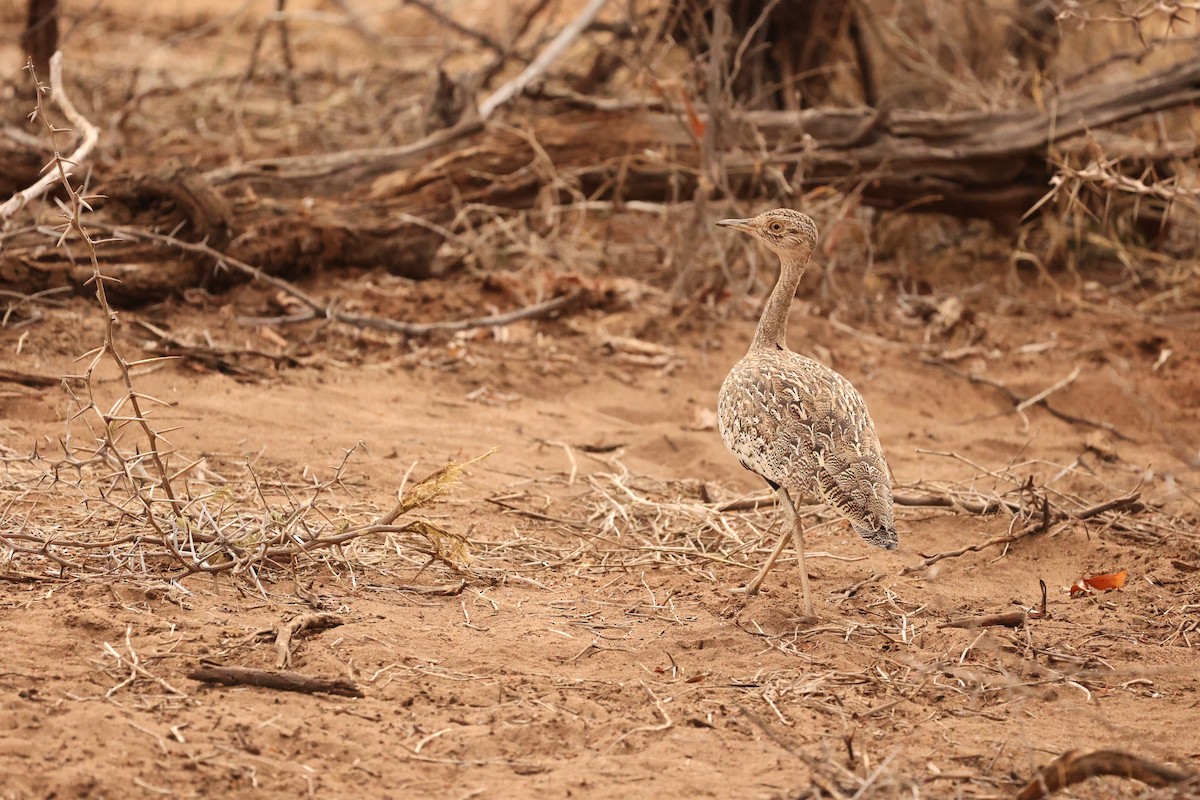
{"x": 744, "y": 225}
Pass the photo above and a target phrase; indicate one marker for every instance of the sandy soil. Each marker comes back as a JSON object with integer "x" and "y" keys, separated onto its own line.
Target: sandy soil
{"x": 594, "y": 648}
{"x": 639, "y": 678}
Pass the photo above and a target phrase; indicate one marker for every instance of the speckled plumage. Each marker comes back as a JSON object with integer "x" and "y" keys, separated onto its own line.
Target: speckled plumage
{"x": 797, "y": 423}
{"x": 805, "y": 428}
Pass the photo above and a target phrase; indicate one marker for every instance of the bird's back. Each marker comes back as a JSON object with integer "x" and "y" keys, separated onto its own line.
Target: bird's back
{"x": 806, "y": 428}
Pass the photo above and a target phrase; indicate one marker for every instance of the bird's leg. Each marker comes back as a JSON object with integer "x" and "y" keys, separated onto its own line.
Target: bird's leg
{"x": 798, "y": 537}
{"x": 785, "y": 533}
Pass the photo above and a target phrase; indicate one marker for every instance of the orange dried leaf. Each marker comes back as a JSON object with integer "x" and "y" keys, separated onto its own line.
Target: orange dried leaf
{"x": 697, "y": 124}
{"x": 1102, "y": 583}
{"x": 1099, "y": 583}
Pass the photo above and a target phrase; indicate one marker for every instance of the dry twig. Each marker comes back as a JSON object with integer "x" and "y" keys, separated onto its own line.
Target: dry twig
{"x": 319, "y": 310}
{"x": 548, "y": 56}
{"x": 91, "y": 135}
{"x": 304, "y": 622}
{"x": 268, "y": 679}
{"x": 1011, "y": 619}
{"x": 1074, "y": 766}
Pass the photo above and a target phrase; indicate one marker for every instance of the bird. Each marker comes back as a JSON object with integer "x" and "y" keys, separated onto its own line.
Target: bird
{"x": 798, "y": 424}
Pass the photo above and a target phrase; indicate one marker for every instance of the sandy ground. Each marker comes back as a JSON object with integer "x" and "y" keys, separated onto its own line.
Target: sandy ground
{"x": 613, "y": 671}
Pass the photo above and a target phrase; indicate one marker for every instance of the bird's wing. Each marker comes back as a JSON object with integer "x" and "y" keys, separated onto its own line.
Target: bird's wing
{"x": 828, "y": 425}
{"x": 801, "y": 425}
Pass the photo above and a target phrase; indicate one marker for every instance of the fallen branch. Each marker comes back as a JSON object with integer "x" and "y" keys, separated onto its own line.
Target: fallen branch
{"x": 91, "y": 134}
{"x": 268, "y": 679}
{"x": 929, "y": 561}
{"x": 346, "y": 209}
{"x": 1021, "y": 403}
{"x": 1042, "y": 395}
{"x": 1011, "y": 619}
{"x": 221, "y": 359}
{"x": 443, "y": 589}
{"x": 544, "y": 59}
{"x": 304, "y": 622}
{"x": 318, "y": 310}
{"x": 32, "y": 379}
{"x": 1074, "y": 766}
{"x": 980, "y": 506}
{"x": 1126, "y": 501}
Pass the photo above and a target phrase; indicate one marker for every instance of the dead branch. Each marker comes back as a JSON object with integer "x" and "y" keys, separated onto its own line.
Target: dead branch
{"x": 1126, "y": 501}
{"x": 91, "y": 134}
{"x": 548, "y": 56}
{"x": 1074, "y": 766}
{"x": 304, "y": 622}
{"x": 972, "y": 156}
{"x": 1021, "y": 403}
{"x": 535, "y": 311}
{"x": 39, "y": 40}
{"x": 441, "y": 590}
{"x": 1040, "y": 527}
{"x": 990, "y": 164}
{"x": 929, "y": 561}
{"x": 318, "y": 310}
{"x": 973, "y": 505}
{"x": 1011, "y": 619}
{"x": 980, "y": 506}
{"x": 1041, "y": 612}
{"x": 280, "y": 18}
{"x": 447, "y": 21}
{"x": 268, "y": 679}
{"x": 221, "y": 359}
{"x": 31, "y": 379}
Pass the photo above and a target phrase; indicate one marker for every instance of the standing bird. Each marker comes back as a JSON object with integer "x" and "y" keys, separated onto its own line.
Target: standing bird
{"x": 797, "y": 423}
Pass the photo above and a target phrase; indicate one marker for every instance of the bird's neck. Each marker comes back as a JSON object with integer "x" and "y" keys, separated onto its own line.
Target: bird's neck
{"x": 772, "y": 326}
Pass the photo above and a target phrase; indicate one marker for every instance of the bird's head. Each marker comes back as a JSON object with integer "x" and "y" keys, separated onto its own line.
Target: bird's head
{"x": 789, "y": 233}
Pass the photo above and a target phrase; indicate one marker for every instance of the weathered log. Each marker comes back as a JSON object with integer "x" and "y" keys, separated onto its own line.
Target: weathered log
{"x": 386, "y": 208}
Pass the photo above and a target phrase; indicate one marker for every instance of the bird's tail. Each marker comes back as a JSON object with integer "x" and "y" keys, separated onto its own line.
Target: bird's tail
{"x": 880, "y": 537}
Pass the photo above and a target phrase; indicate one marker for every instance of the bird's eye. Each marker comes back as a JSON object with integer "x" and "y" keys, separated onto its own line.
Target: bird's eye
{"x": 776, "y": 227}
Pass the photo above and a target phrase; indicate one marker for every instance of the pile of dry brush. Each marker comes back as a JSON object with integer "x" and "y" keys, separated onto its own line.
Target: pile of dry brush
{"x": 1078, "y": 118}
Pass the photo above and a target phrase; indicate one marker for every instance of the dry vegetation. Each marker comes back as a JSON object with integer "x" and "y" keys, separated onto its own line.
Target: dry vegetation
{"x": 356, "y": 427}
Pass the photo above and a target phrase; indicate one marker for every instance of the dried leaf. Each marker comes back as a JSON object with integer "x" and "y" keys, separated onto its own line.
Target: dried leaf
{"x": 697, "y": 124}
{"x": 1103, "y": 583}
{"x": 1099, "y": 583}
{"x": 449, "y": 548}
{"x": 436, "y": 484}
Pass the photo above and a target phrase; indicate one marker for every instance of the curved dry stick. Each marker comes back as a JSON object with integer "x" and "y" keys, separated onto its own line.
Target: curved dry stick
{"x": 1074, "y": 766}
{"x": 304, "y": 622}
{"x": 91, "y": 134}
{"x": 543, "y": 61}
